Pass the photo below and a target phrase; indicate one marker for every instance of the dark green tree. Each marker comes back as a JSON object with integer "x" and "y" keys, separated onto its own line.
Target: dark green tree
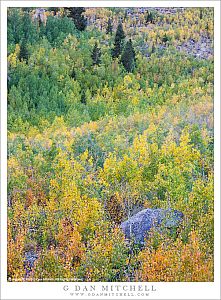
{"x": 125, "y": 15}
{"x": 75, "y": 13}
{"x": 27, "y": 9}
{"x": 73, "y": 74}
{"x": 165, "y": 38}
{"x": 96, "y": 55}
{"x": 23, "y": 55}
{"x": 128, "y": 57}
{"x": 54, "y": 9}
{"x": 149, "y": 17}
{"x": 207, "y": 27}
{"x": 119, "y": 41}
{"x": 109, "y": 27}
{"x": 201, "y": 13}
{"x": 153, "y": 49}
{"x": 83, "y": 98}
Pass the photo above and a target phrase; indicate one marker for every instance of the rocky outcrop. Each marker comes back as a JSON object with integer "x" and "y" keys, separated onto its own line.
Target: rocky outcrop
{"x": 40, "y": 15}
{"x": 137, "y": 227}
{"x": 202, "y": 49}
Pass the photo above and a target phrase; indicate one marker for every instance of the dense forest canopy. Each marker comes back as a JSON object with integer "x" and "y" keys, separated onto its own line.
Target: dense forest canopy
{"x": 110, "y": 111}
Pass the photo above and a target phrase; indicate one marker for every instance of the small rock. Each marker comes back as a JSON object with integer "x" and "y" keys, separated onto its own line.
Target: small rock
{"x": 30, "y": 258}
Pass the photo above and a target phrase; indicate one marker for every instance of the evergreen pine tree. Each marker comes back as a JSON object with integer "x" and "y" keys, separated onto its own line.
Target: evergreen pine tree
{"x": 109, "y": 27}
{"x": 26, "y": 9}
{"x": 165, "y": 38}
{"x": 83, "y": 98}
{"x": 75, "y": 13}
{"x": 73, "y": 74}
{"x": 26, "y": 25}
{"x": 125, "y": 15}
{"x": 149, "y": 17}
{"x": 96, "y": 55}
{"x": 128, "y": 58}
{"x": 55, "y": 10}
{"x": 201, "y": 13}
{"x": 119, "y": 41}
{"x": 153, "y": 49}
{"x": 23, "y": 55}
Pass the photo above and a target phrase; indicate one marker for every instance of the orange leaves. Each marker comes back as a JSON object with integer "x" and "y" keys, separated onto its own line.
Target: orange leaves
{"x": 176, "y": 262}
{"x": 75, "y": 247}
{"x": 195, "y": 265}
{"x": 34, "y": 194}
{"x": 29, "y": 198}
{"x": 15, "y": 257}
{"x": 70, "y": 246}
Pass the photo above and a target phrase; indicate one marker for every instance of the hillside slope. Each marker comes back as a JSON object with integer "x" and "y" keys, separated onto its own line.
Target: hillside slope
{"x": 90, "y": 144}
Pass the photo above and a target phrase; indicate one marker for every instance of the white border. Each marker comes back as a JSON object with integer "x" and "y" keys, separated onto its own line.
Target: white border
{"x": 28, "y": 290}
{"x": 101, "y": 3}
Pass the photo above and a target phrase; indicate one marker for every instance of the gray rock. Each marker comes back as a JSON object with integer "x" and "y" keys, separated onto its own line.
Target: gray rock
{"x": 30, "y": 258}
{"x": 137, "y": 227}
{"x": 40, "y": 15}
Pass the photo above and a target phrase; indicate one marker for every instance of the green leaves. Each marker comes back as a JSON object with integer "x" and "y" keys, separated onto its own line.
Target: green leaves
{"x": 92, "y": 139}
{"x": 119, "y": 41}
{"x": 128, "y": 57}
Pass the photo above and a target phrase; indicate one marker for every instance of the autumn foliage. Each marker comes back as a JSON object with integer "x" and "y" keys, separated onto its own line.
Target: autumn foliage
{"x": 90, "y": 143}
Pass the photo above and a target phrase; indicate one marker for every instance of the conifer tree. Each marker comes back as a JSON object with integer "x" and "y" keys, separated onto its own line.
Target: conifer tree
{"x": 128, "y": 58}
{"x": 26, "y": 9}
{"x": 125, "y": 15}
{"x": 165, "y": 38}
{"x": 149, "y": 17}
{"x": 96, "y": 55}
{"x": 201, "y": 13}
{"x": 73, "y": 74}
{"x": 207, "y": 27}
{"x": 83, "y": 98}
{"x": 55, "y": 10}
{"x": 75, "y": 13}
{"x": 23, "y": 55}
{"x": 153, "y": 49}
{"x": 109, "y": 27}
{"x": 119, "y": 41}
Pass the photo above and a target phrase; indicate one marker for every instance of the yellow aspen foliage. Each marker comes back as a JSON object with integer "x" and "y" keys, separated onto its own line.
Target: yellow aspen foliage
{"x": 140, "y": 149}
{"x": 13, "y": 57}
